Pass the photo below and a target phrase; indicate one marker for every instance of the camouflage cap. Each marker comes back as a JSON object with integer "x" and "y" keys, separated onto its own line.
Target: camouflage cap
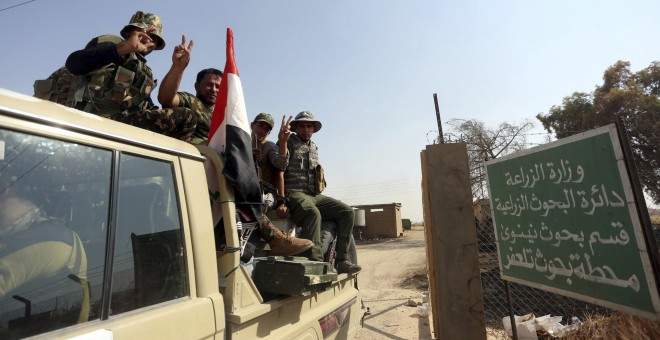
{"x": 306, "y": 116}
{"x": 266, "y": 118}
{"x": 143, "y": 21}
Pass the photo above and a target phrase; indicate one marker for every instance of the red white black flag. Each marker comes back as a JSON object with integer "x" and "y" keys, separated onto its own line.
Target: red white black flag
{"x": 230, "y": 135}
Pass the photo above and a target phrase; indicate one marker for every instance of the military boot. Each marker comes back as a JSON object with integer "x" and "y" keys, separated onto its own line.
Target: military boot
{"x": 346, "y": 266}
{"x": 282, "y": 243}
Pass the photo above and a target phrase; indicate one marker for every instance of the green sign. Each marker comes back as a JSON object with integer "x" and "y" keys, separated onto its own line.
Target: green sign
{"x": 566, "y": 221}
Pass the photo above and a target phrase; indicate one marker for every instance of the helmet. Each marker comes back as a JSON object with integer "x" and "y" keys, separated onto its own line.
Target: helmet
{"x": 306, "y": 116}
{"x": 266, "y": 118}
{"x": 143, "y": 21}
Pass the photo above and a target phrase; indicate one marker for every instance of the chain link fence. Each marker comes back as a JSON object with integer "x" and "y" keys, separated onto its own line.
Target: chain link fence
{"x": 525, "y": 299}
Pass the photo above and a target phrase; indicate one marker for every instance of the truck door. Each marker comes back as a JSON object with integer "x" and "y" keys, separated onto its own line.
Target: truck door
{"x": 118, "y": 210}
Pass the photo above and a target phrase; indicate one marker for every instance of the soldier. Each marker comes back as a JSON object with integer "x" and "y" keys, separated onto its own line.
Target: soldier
{"x": 35, "y": 250}
{"x": 207, "y": 86}
{"x": 110, "y": 78}
{"x": 304, "y": 182}
{"x": 271, "y": 159}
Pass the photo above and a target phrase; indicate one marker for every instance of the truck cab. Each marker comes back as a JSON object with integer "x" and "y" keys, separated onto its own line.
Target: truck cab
{"x": 148, "y": 267}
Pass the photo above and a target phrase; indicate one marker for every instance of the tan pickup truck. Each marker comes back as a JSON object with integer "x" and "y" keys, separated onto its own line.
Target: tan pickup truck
{"x": 135, "y": 219}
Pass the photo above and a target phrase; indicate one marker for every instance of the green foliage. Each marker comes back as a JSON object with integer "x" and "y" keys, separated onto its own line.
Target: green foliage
{"x": 633, "y": 97}
{"x": 407, "y": 224}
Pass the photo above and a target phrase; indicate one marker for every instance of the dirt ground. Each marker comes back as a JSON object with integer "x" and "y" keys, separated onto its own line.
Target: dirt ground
{"x": 393, "y": 271}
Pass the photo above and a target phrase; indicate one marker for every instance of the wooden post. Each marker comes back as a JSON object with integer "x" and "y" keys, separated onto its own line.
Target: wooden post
{"x": 451, "y": 244}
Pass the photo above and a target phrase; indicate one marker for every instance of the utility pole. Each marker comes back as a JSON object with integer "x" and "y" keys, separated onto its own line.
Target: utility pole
{"x": 441, "y": 138}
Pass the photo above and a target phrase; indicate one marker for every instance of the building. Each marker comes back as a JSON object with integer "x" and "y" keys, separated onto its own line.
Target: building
{"x": 382, "y": 220}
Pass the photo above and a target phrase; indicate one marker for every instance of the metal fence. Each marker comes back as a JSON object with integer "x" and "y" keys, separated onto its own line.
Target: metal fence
{"x": 525, "y": 299}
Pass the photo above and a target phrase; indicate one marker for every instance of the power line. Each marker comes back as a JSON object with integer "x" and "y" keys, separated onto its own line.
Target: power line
{"x": 13, "y": 6}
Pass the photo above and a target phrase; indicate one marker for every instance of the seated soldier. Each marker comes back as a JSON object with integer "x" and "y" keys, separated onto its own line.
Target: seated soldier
{"x": 110, "y": 78}
{"x": 202, "y": 102}
{"x": 304, "y": 183}
{"x": 35, "y": 251}
{"x": 271, "y": 159}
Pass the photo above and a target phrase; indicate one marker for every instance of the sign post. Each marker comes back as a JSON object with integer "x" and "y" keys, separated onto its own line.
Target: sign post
{"x": 566, "y": 222}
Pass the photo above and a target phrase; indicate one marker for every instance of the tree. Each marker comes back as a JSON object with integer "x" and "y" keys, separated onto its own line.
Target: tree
{"x": 633, "y": 97}
{"x": 484, "y": 144}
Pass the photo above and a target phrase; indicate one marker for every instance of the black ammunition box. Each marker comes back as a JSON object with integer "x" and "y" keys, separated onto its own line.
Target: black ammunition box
{"x": 293, "y": 276}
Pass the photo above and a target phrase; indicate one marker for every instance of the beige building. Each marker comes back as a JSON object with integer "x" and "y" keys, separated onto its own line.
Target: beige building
{"x": 382, "y": 220}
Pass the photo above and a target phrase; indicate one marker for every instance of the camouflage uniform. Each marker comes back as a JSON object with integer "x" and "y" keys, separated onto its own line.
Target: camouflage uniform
{"x": 271, "y": 162}
{"x": 203, "y": 114}
{"x": 98, "y": 80}
{"x": 303, "y": 159}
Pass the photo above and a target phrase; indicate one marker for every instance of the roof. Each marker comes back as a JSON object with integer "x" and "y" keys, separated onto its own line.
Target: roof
{"x": 29, "y": 108}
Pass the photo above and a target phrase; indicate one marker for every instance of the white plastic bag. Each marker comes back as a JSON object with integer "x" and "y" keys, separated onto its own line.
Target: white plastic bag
{"x": 547, "y": 323}
{"x": 524, "y": 327}
{"x": 423, "y": 310}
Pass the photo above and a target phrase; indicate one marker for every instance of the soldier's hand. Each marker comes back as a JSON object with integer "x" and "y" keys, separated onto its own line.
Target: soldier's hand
{"x": 282, "y": 210}
{"x": 181, "y": 55}
{"x": 257, "y": 153}
{"x": 285, "y": 130}
{"x": 138, "y": 41}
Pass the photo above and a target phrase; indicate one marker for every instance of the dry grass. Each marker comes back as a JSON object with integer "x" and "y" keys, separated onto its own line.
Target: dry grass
{"x": 617, "y": 326}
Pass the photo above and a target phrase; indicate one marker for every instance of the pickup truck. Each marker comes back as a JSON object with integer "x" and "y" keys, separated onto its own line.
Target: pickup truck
{"x": 138, "y": 202}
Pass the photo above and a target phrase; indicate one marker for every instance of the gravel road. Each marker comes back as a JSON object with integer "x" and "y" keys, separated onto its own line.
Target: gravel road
{"x": 393, "y": 271}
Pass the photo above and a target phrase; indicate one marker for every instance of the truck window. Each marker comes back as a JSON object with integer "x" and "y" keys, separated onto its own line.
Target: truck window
{"x": 52, "y": 229}
{"x": 64, "y": 193}
{"x": 148, "y": 257}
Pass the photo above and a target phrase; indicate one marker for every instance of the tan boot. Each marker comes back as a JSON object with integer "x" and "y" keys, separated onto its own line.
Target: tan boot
{"x": 281, "y": 243}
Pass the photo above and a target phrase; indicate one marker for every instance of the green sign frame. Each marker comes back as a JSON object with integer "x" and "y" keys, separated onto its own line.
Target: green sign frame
{"x": 565, "y": 221}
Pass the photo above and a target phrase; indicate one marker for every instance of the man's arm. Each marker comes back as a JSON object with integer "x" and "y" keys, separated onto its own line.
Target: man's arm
{"x": 99, "y": 52}
{"x": 282, "y": 160}
{"x": 169, "y": 86}
{"x": 23, "y": 266}
{"x": 108, "y": 49}
{"x": 167, "y": 92}
{"x": 282, "y": 209}
{"x": 279, "y": 183}
{"x": 278, "y": 156}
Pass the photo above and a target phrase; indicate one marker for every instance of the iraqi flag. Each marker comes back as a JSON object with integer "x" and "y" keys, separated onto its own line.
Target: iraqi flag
{"x": 230, "y": 136}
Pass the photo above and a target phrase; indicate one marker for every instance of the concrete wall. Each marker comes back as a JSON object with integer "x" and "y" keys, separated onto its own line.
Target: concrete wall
{"x": 453, "y": 260}
{"x": 382, "y": 220}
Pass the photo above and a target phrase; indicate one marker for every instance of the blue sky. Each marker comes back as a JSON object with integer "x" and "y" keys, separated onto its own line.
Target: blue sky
{"x": 367, "y": 69}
